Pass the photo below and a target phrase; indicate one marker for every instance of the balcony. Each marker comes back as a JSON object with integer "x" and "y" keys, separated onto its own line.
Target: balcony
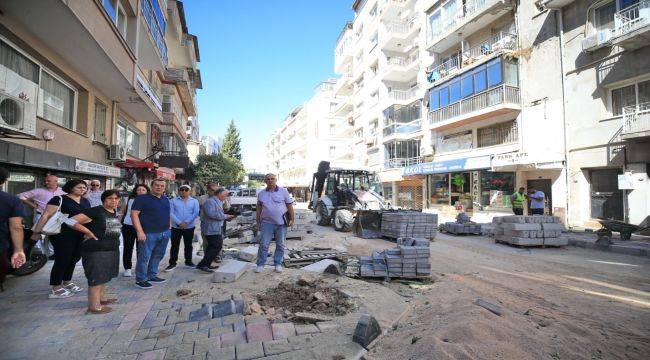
{"x": 556, "y": 4}
{"x": 402, "y": 130}
{"x": 186, "y": 89}
{"x": 344, "y": 108}
{"x": 402, "y": 69}
{"x": 343, "y": 86}
{"x": 397, "y": 96}
{"x": 395, "y": 8}
{"x": 172, "y": 112}
{"x": 636, "y": 122}
{"x": 343, "y": 52}
{"x": 395, "y": 163}
{"x": 398, "y": 35}
{"x": 150, "y": 108}
{"x": 632, "y": 26}
{"x": 454, "y": 26}
{"x": 499, "y": 44}
{"x": 499, "y": 100}
{"x": 153, "y": 50}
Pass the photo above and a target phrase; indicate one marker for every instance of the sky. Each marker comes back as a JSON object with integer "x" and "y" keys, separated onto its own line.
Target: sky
{"x": 259, "y": 60}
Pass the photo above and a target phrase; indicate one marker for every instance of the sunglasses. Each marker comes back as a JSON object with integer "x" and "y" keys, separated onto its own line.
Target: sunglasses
{"x": 183, "y": 189}
{"x": 94, "y": 185}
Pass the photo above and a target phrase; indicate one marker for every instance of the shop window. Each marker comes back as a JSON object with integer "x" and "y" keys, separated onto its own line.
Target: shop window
{"x": 100, "y": 122}
{"x": 439, "y": 189}
{"x": 496, "y": 188}
{"x": 57, "y": 101}
{"x": 460, "y": 184}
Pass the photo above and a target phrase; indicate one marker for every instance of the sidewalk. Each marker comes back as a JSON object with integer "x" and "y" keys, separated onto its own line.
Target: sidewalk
{"x": 637, "y": 246}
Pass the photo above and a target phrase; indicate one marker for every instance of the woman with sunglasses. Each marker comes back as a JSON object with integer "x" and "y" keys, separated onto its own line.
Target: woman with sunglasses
{"x": 128, "y": 231}
{"x": 95, "y": 193}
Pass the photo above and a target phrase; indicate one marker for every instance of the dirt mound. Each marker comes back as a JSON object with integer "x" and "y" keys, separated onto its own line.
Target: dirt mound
{"x": 306, "y": 295}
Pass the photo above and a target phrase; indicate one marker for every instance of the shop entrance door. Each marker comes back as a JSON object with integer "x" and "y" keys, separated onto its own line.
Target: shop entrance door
{"x": 543, "y": 185}
{"x": 606, "y": 198}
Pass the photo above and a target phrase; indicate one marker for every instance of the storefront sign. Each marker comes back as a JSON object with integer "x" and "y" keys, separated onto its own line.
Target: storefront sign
{"x": 437, "y": 167}
{"x": 512, "y": 158}
{"x": 88, "y": 167}
{"x": 165, "y": 173}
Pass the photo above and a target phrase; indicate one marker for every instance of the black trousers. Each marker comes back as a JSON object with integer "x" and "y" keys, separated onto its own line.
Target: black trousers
{"x": 215, "y": 242}
{"x": 188, "y": 236}
{"x": 67, "y": 252}
{"x": 518, "y": 211}
{"x": 537, "y": 211}
{"x": 129, "y": 235}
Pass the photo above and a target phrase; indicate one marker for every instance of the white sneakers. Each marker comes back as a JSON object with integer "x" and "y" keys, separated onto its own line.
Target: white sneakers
{"x": 127, "y": 273}
{"x": 259, "y": 269}
{"x": 278, "y": 268}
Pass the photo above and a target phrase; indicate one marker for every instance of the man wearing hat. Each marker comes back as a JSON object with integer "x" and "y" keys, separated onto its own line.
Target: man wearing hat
{"x": 184, "y": 211}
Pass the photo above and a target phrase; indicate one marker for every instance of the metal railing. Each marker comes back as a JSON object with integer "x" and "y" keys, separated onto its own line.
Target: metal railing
{"x": 402, "y": 162}
{"x": 636, "y": 118}
{"x": 400, "y": 27}
{"x": 156, "y": 24}
{"x": 449, "y": 22}
{"x": 403, "y": 95}
{"x": 503, "y": 94}
{"x": 632, "y": 18}
{"x": 504, "y": 133}
{"x": 403, "y": 61}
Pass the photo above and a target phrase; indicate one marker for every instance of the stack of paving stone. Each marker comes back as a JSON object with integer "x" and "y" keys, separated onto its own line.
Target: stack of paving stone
{"x": 536, "y": 230}
{"x": 409, "y": 259}
{"x": 409, "y": 224}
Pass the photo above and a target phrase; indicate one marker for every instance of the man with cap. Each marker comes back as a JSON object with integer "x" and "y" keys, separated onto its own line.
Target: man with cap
{"x": 184, "y": 212}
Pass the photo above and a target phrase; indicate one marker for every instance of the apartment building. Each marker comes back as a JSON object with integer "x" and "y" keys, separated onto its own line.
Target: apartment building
{"x": 212, "y": 145}
{"x": 606, "y": 73}
{"x": 311, "y": 133}
{"x": 82, "y": 86}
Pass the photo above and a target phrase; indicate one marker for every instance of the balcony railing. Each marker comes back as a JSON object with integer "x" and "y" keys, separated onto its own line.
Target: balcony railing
{"x": 632, "y": 18}
{"x": 400, "y": 27}
{"x": 402, "y": 162}
{"x": 403, "y": 95}
{"x": 156, "y": 23}
{"x": 636, "y": 120}
{"x": 504, "y": 94}
{"x": 403, "y": 61}
{"x": 399, "y": 128}
{"x": 451, "y": 21}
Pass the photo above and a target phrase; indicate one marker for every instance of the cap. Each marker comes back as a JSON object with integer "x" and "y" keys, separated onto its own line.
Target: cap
{"x": 186, "y": 187}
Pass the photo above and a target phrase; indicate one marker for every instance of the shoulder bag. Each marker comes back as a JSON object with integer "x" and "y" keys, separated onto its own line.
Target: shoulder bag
{"x": 53, "y": 224}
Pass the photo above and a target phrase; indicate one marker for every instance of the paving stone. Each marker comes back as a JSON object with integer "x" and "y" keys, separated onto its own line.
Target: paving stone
{"x": 207, "y": 346}
{"x": 173, "y": 319}
{"x": 259, "y": 332}
{"x": 229, "y": 271}
{"x": 179, "y": 351}
{"x": 225, "y": 353}
{"x": 233, "y": 338}
{"x": 274, "y": 347}
{"x": 161, "y": 331}
{"x": 252, "y": 350}
{"x": 306, "y": 329}
{"x": 255, "y": 319}
{"x": 349, "y": 350}
{"x": 185, "y": 327}
{"x": 248, "y": 253}
{"x": 166, "y": 341}
{"x": 217, "y": 331}
{"x": 301, "y": 341}
{"x": 152, "y": 355}
{"x": 327, "y": 325}
{"x": 209, "y": 324}
{"x": 204, "y": 313}
{"x": 223, "y": 308}
{"x": 192, "y": 336}
{"x": 239, "y": 326}
{"x": 283, "y": 330}
{"x": 139, "y": 346}
{"x": 141, "y": 334}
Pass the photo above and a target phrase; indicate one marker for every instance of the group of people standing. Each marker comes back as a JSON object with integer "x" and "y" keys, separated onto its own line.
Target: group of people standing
{"x": 536, "y": 198}
{"x": 146, "y": 220}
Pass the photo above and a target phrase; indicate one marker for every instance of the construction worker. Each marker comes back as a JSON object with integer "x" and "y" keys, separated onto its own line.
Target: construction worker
{"x": 518, "y": 200}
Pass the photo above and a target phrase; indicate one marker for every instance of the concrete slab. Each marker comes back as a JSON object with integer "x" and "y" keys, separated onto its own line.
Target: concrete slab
{"x": 248, "y": 253}
{"x": 229, "y": 271}
{"x": 320, "y": 266}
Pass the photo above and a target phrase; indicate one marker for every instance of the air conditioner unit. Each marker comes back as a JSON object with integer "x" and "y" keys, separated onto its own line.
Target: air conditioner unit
{"x": 117, "y": 153}
{"x": 597, "y": 41}
{"x": 17, "y": 102}
{"x": 426, "y": 150}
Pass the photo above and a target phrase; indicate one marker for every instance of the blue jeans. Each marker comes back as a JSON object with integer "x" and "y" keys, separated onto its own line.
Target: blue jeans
{"x": 150, "y": 253}
{"x": 270, "y": 231}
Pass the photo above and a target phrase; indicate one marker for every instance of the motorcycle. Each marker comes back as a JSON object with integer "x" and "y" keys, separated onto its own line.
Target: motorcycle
{"x": 35, "y": 259}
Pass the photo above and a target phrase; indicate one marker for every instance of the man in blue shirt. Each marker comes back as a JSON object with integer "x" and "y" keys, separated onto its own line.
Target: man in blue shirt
{"x": 536, "y": 201}
{"x": 151, "y": 218}
{"x": 185, "y": 210}
{"x": 11, "y": 227}
{"x": 211, "y": 227}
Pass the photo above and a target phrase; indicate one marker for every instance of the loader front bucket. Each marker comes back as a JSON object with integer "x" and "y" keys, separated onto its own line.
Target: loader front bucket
{"x": 367, "y": 224}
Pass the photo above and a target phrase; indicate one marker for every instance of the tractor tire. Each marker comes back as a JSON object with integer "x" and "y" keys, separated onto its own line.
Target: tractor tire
{"x": 322, "y": 216}
{"x": 343, "y": 220}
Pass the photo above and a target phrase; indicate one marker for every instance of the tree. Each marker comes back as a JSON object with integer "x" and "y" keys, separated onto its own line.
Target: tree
{"x": 232, "y": 143}
{"x": 218, "y": 168}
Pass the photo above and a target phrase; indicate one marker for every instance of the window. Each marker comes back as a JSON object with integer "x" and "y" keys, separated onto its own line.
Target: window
{"x": 498, "y": 134}
{"x": 111, "y": 8}
{"x": 121, "y": 21}
{"x": 58, "y": 101}
{"x": 434, "y": 24}
{"x": 480, "y": 80}
{"x": 434, "y": 99}
{"x": 373, "y": 12}
{"x": 496, "y": 188}
{"x": 100, "y": 122}
{"x": 439, "y": 188}
{"x": 604, "y": 16}
{"x": 332, "y": 151}
{"x": 333, "y": 106}
{"x": 444, "y": 96}
{"x": 467, "y": 86}
{"x": 18, "y": 63}
{"x": 129, "y": 139}
{"x": 332, "y": 129}
{"x": 635, "y": 95}
{"x": 494, "y": 72}
{"x": 454, "y": 91}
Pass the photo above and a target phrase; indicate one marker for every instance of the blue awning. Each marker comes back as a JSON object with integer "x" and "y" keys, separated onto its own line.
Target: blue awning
{"x": 438, "y": 167}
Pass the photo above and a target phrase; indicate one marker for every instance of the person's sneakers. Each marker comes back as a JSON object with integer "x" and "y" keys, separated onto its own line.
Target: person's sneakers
{"x": 170, "y": 268}
{"x": 205, "y": 269}
{"x": 143, "y": 285}
{"x": 259, "y": 269}
{"x": 61, "y": 293}
{"x": 278, "y": 268}
{"x": 127, "y": 273}
{"x": 157, "y": 280}
{"x": 190, "y": 264}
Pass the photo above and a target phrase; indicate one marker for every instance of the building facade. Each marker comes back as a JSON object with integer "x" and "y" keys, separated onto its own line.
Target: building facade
{"x": 212, "y": 145}
{"x": 84, "y": 85}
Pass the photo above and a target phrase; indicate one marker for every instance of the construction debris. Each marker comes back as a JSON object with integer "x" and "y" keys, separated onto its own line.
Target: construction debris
{"x": 536, "y": 230}
{"x": 229, "y": 271}
{"x": 410, "y": 259}
{"x": 412, "y": 224}
{"x": 493, "y": 308}
{"x": 366, "y": 331}
{"x": 298, "y": 231}
{"x": 248, "y": 253}
{"x": 298, "y": 258}
{"x": 327, "y": 266}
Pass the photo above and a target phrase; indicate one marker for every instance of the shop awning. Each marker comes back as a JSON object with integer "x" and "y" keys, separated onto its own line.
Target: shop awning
{"x": 455, "y": 165}
{"x": 165, "y": 173}
{"x": 137, "y": 164}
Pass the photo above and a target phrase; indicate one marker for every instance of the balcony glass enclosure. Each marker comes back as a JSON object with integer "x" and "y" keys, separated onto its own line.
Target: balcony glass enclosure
{"x": 403, "y": 119}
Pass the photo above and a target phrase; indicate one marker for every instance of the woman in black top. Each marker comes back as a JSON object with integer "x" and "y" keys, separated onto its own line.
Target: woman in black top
{"x": 67, "y": 244}
{"x": 100, "y": 250}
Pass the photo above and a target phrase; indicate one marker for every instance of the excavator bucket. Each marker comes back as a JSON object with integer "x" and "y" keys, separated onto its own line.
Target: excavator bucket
{"x": 367, "y": 224}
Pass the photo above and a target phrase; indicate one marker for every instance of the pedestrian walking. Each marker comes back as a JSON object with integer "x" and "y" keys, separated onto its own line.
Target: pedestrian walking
{"x": 94, "y": 194}
{"x": 274, "y": 215}
{"x": 67, "y": 243}
{"x": 151, "y": 218}
{"x": 185, "y": 211}
{"x": 100, "y": 251}
{"x": 11, "y": 229}
{"x": 211, "y": 227}
{"x": 128, "y": 231}
{"x": 536, "y": 201}
{"x": 37, "y": 199}
{"x": 518, "y": 199}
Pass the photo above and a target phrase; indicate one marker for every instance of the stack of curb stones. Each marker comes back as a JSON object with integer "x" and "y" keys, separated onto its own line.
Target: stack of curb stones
{"x": 409, "y": 224}
{"x": 536, "y": 230}
{"x": 410, "y": 259}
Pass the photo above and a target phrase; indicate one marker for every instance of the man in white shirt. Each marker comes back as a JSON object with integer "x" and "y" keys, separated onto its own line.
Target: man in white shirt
{"x": 94, "y": 195}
